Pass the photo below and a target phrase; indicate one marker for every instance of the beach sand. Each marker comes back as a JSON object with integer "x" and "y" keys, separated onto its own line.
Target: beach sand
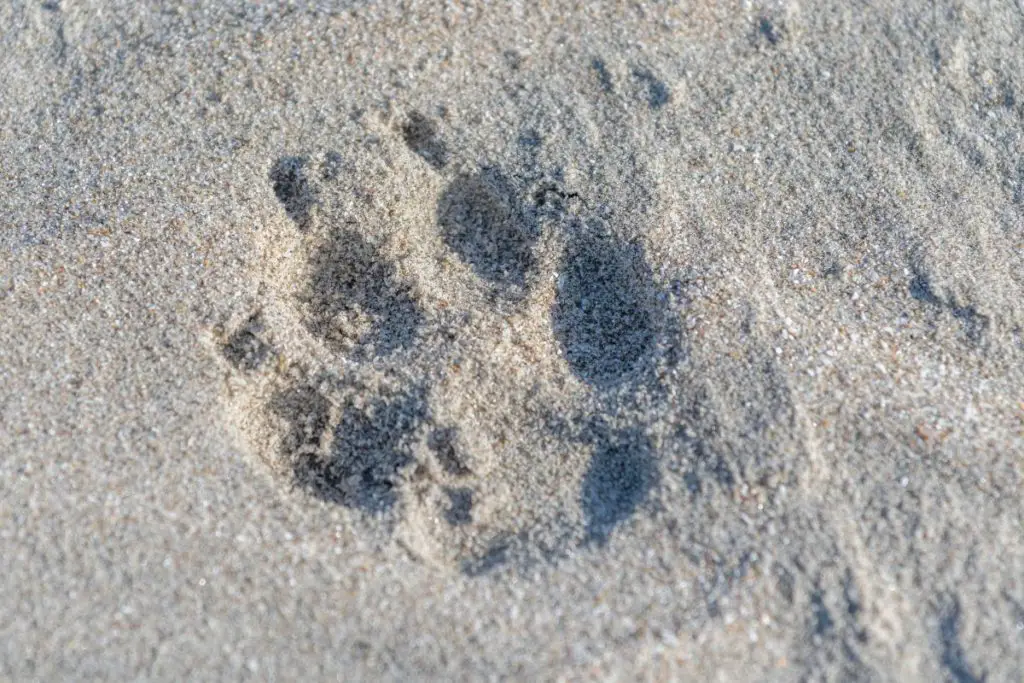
{"x": 451, "y": 340}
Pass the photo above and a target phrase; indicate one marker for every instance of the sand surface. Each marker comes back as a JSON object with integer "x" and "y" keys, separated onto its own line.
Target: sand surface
{"x": 451, "y": 340}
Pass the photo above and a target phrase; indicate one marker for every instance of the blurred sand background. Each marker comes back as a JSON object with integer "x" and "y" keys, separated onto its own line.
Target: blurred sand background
{"x": 457, "y": 340}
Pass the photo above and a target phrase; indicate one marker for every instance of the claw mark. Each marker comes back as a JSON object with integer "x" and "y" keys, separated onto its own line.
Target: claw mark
{"x": 420, "y": 134}
{"x": 604, "y": 77}
{"x": 331, "y": 167}
{"x": 769, "y": 30}
{"x": 952, "y": 651}
{"x": 288, "y": 176}
{"x": 461, "y": 510}
{"x": 245, "y": 349}
{"x": 658, "y": 93}
{"x": 974, "y": 324}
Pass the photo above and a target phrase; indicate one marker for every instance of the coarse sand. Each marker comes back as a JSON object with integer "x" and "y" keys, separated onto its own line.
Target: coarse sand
{"x": 515, "y": 340}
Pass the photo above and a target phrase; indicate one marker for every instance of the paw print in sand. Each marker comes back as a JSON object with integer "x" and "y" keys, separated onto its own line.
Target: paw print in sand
{"x": 467, "y": 337}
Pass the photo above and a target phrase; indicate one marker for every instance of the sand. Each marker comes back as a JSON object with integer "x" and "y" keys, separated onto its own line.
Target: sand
{"x": 353, "y": 340}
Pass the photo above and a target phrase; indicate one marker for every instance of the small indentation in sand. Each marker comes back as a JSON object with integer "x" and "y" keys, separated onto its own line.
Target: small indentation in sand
{"x": 421, "y": 136}
{"x": 604, "y": 313}
{"x": 953, "y": 657}
{"x": 245, "y": 349}
{"x": 332, "y": 165}
{"x": 771, "y": 30}
{"x": 460, "y": 511}
{"x": 604, "y": 77}
{"x": 444, "y": 443}
{"x": 359, "y": 462}
{"x": 292, "y": 188}
{"x": 658, "y": 93}
{"x": 974, "y": 324}
{"x": 484, "y": 221}
{"x": 621, "y": 474}
{"x": 356, "y": 300}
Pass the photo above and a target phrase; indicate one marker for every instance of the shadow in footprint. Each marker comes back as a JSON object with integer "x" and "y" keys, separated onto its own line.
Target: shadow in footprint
{"x": 621, "y": 474}
{"x": 357, "y": 300}
{"x": 544, "y": 543}
{"x": 658, "y": 93}
{"x": 604, "y": 313}
{"x": 484, "y": 221}
{"x": 443, "y": 443}
{"x": 497, "y": 554}
{"x": 460, "y": 510}
{"x": 292, "y": 188}
{"x": 953, "y": 657}
{"x": 770, "y": 30}
{"x": 604, "y": 76}
{"x": 358, "y": 462}
{"x": 245, "y": 348}
{"x": 421, "y": 136}
{"x": 974, "y": 324}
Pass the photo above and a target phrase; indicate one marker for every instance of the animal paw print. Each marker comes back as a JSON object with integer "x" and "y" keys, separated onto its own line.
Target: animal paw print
{"x": 471, "y": 341}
